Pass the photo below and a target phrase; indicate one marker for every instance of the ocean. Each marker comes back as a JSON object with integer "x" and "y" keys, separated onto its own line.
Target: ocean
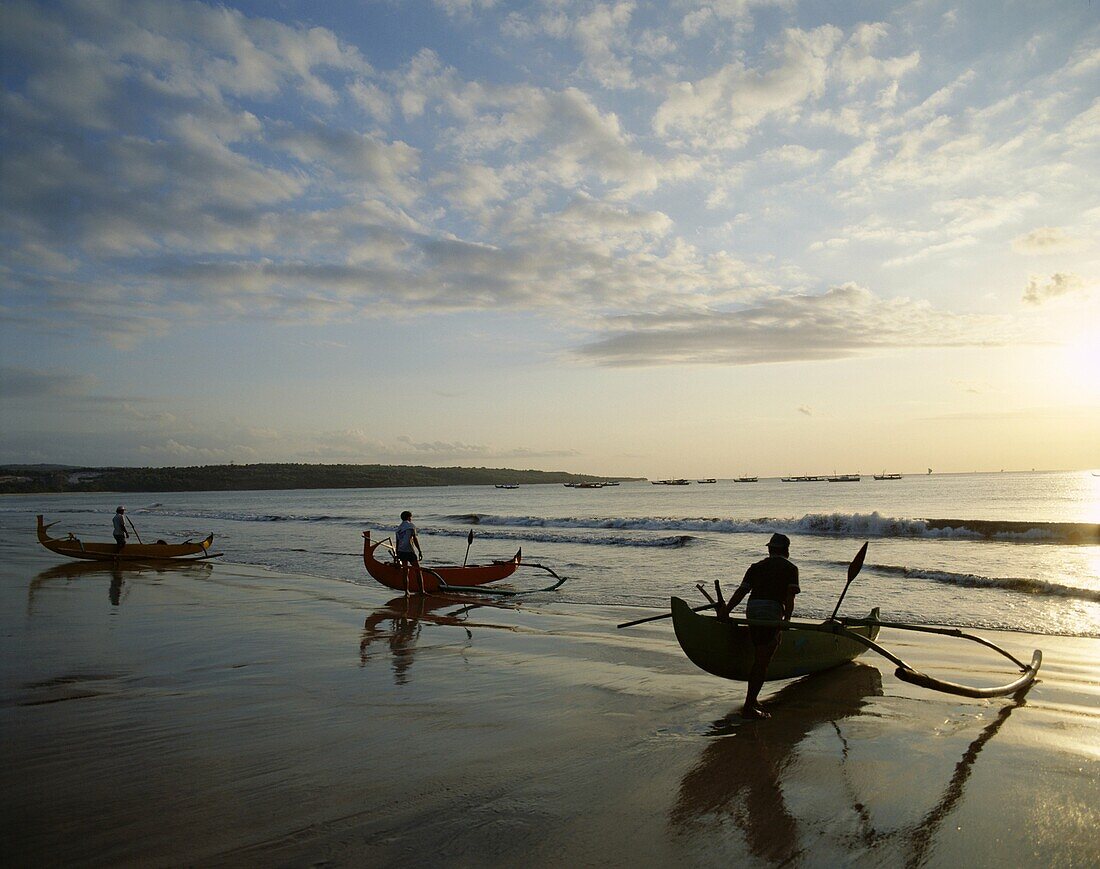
{"x": 1017, "y": 551}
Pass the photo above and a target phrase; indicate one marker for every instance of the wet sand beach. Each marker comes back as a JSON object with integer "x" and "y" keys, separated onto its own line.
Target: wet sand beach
{"x": 223, "y": 715}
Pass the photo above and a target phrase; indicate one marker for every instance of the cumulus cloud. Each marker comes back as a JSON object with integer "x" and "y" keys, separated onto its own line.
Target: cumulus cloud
{"x": 843, "y": 322}
{"x": 1041, "y": 290}
{"x": 721, "y": 109}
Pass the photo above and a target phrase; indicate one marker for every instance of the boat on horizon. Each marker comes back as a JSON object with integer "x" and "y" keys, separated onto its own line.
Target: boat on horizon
{"x": 507, "y": 485}
{"x": 708, "y": 480}
{"x": 747, "y": 480}
{"x": 886, "y": 476}
{"x": 680, "y": 482}
{"x": 845, "y": 478}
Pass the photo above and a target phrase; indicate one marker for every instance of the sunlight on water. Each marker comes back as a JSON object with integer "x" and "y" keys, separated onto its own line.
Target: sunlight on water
{"x": 1013, "y": 550}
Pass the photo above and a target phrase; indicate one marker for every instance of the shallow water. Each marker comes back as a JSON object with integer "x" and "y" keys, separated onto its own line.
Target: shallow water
{"x": 1017, "y": 550}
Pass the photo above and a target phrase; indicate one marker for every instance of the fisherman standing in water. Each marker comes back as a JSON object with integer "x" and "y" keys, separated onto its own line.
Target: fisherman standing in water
{"x": 406, "y": 539}
{"x": 120, "y": 531}
{"x": 771, "y": 585}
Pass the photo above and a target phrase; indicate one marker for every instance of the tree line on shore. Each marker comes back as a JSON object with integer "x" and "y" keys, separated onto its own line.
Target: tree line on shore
{"x": 19, "y": 479}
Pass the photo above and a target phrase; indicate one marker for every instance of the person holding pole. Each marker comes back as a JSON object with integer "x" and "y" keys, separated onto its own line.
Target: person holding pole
{"x": 771, "y": 585}
{"x": 120, "y": 531}
{"x": 407, "y": 539}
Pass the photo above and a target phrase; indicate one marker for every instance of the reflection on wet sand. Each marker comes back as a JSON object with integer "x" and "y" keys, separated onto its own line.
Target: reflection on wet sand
{"x": 740, "y": 775}
{"x": 117, "y": 572}
{"x": 406, "y": 616}
{"x": 920, "y": 837}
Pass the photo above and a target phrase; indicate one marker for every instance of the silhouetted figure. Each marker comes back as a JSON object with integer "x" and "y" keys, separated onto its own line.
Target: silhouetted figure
{"x": 771, "y": 585}
{"x": 120, "y": 531}
{"x": 408, "y": 551}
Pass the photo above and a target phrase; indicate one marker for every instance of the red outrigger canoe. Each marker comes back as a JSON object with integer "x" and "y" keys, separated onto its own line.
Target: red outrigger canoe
{"x": 436, "y": 578}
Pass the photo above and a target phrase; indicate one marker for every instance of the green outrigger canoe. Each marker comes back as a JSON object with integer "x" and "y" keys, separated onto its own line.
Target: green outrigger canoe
{"x": 724, "y": 648}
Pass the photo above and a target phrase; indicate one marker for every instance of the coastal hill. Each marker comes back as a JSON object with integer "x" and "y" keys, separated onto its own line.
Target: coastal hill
{"x": 20, "y": 479}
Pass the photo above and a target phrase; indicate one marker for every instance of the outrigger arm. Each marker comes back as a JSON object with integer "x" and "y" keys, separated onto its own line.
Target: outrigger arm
{"x": 481, "y": 589}
{"x": 905, "y": 671}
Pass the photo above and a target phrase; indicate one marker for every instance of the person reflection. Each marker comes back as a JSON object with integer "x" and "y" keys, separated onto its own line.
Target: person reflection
{"x": 740, "y": 776}
{"x": 405, "y": 617}
{"x": 118, "y": 573}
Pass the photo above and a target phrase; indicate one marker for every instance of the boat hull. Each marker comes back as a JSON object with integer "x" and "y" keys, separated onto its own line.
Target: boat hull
{"x": 725, "y": 649}
{"x": 74, "y": 547}
{"x": 392, "y": 575}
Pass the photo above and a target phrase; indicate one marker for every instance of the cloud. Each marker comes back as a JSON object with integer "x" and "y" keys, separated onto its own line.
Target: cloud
{"x": 844, "y": 322}
{"x": 1047, "y": 240}
{"x": 23, "y": 383}
{"x": 721, "y": 109}
{"x": 1056, "y": 286}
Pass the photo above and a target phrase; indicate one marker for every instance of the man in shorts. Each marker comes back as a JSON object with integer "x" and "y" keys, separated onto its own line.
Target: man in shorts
{"x": 119, "y": 527}
{"x": 771, "y": 585}
{"x": 406, "y": 541}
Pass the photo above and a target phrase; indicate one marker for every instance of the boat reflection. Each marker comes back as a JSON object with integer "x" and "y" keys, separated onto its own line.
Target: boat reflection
{"x": 117, "y": 572}
{"x": 739, "y": 776}
{"x": 398, "y": 624}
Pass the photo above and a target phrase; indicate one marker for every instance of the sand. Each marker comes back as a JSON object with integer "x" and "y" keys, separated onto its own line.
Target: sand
{"x": 223, "y": 715}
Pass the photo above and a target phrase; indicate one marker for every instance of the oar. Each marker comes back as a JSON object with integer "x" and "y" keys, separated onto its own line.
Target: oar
{"x": 469, "y": 543}
{"x": 706, "y": 606}
{"x": 131, "y": 521}
{"x": 853, "y": 569}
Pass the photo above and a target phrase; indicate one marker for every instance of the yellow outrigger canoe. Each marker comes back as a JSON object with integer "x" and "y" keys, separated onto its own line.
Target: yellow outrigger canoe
{"x": 74, "y": 547}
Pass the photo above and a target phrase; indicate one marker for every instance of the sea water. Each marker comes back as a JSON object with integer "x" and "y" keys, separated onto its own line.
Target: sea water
{"x": 1009, "y": 550}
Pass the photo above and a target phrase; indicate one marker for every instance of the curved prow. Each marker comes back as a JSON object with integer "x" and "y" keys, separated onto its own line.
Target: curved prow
{"x": 43, "y": 527}
{"x": 915, "y": 677}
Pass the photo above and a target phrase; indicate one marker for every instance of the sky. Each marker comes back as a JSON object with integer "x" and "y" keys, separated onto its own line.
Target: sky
{"x": 621, "y": 238}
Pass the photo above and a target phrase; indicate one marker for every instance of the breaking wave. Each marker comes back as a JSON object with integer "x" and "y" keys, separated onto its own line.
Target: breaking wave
{"x": 1020, "y": 584}
{"x": 677, "y": 541}
{"x": 818, "y": 524}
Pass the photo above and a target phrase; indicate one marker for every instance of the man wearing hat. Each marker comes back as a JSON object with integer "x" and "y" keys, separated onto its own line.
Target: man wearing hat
{"x": 120, "y": 531}
{"x": 771, "y": 585}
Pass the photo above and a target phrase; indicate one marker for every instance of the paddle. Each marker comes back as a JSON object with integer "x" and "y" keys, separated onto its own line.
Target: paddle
{"x": 853, "y": 569}
{"x": 469, "y": 543}
{"x": 706, "y": 606}
{"x": 131, "y": 521}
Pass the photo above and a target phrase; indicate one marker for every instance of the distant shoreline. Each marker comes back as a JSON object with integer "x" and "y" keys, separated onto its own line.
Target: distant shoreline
{"x": 53, "y": 479}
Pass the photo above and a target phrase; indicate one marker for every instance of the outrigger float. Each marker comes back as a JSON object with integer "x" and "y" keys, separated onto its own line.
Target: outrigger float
{"x": 471, "y": 578}
{"x": 722, "y": 646}
{"x": 74, "y": 547}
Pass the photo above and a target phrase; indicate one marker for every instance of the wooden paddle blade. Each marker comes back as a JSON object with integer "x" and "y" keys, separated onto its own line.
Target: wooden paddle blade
{"x": 857, "y": 563}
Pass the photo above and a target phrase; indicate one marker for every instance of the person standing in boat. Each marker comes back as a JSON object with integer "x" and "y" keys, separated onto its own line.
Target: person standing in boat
{"x": 120, "y": 531}
{"x": 406, "y": 554}
{"x": 770, "y": 585}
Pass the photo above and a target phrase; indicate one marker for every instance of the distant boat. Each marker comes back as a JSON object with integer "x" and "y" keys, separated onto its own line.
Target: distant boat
{"x": 611, "y": 483}
{"x": 680, "y": 482}
{"x": 747, "y": 480}
{"x": 845, "y": 478}
{"x": 930, "y": 470}
{"x": 589, "y": 485}
{"x": 507, "y": 485}
{"x": 709, "y": 480}
{"x": 886, "y": 476}
{"x": 803, "y": 479}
